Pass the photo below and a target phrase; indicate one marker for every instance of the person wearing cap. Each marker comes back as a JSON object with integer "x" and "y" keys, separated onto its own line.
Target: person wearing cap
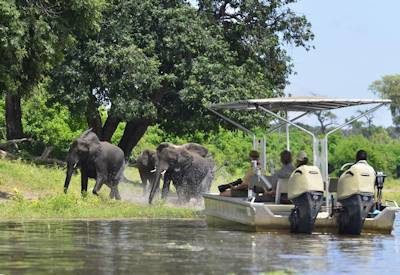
{"x": 241, "y": 189}
{"x": 301, "y": 159}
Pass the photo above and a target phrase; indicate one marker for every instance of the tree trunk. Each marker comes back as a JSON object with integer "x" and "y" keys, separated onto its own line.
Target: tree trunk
{"x": 13, "y": 117}
{"x": 93, "y": 118}
{"x": 109, "y": 128}
{"x": 94, "y": 121}
{"x": 134, "y": 130}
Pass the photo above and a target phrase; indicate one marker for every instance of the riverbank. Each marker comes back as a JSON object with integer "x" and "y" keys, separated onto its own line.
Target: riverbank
{"x": 36, "y": 192}
{"x": 29, "y": 191}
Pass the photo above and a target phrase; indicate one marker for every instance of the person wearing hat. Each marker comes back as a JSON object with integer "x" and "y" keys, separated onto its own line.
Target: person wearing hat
{"x": 241, "y": 189}
{"x": 301, "y": 159}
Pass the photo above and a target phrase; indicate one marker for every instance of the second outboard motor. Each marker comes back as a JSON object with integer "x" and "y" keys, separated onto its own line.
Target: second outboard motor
{"x": 355, "y": 193}
{"x": 305, "y": 190}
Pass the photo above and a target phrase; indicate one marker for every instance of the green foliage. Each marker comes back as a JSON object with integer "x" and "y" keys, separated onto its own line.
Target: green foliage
{"x": 232, "y": 147}
{"x": 389, "y": 87}
{"x": 52, "y": 125}
{"x": 12, "y": 50}
{"x": 34, "y": 35}
{"x": 163, "y": 62}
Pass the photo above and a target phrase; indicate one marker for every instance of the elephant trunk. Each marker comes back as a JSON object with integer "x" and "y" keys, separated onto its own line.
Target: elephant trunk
{"x": 155, "y": 184}
{"x": 70, "y": 169}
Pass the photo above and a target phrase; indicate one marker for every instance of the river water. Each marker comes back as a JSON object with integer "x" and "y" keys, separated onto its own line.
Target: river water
{"x": 182, "y": 247}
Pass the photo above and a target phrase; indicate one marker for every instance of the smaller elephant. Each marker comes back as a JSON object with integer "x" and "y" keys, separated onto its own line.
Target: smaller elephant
{"x": 176, "y": 175}
{"x": 189, "y": 168}
{"x": 96, "y": 159}
{"x": 146, "y": 164}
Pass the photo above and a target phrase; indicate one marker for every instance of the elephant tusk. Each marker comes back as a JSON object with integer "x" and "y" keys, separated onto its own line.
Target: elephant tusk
{"x": 163, "y": 172}
{"x": 152, "y": 171}
{"x": 76, "y": 164}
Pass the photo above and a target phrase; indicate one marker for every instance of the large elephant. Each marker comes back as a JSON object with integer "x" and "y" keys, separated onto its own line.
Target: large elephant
{"x": 96, "y": 159}
{"x": 146, "y": 164}
{"x": 189, "y": 168}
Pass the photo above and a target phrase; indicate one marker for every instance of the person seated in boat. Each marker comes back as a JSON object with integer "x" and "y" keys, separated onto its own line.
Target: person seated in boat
{"x": 283, "y": 173}
{"x": 240, "y": 187}
{"x": 361, "y": 157}
{"x": 301, "y": 159}
{"x": 286, "y": 169}
{"x": 287, "y": 166}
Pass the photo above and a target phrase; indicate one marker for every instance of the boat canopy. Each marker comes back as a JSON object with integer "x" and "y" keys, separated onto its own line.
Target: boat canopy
{"x": 297, "y": 103}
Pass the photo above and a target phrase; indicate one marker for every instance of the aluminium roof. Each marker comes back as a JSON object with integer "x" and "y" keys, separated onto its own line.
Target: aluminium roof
{"x": 297, "y": 103}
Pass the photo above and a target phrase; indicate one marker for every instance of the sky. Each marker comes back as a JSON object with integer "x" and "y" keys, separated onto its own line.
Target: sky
{"x": 356, "y": 42}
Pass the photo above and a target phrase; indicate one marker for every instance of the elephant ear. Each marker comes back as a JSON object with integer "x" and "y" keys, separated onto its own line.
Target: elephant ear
{"x": 185, "y": 158}
{"x": 196, "y": 148}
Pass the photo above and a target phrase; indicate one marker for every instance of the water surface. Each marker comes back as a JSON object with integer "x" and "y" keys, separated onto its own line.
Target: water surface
{"x": 181, "y": 247}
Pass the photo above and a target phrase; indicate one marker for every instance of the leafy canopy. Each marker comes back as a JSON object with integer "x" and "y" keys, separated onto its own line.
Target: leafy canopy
{"x": 389, "y": 87}
{"x": 34, "y": 34}
{"x": 163, "y": 61}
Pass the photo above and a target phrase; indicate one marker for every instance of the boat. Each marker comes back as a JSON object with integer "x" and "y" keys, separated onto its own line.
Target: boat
{"x": 317, "y": 202}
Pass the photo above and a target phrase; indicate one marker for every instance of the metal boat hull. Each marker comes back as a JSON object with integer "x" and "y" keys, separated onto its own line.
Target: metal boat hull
{"x": 238, "y": 213}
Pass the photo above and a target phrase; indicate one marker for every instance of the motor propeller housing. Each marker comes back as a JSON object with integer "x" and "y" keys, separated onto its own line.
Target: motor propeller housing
{"x": 355, "y": 193}
{"x": 305, "y": 189}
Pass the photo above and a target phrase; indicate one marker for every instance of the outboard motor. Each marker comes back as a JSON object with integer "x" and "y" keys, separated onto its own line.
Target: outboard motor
{"x": 380, "y": 179}
{"x": 305, "y": 189}
{"x": 355, "y": 193}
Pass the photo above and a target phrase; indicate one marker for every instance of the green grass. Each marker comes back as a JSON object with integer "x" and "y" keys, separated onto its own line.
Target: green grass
{"x": 72, "y": 206}
{"x": 37, "y": 192}
{"x": 391, "y": 190}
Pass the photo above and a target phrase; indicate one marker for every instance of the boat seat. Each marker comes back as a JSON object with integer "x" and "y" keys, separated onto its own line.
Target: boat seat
{"x": 281, "y": 188}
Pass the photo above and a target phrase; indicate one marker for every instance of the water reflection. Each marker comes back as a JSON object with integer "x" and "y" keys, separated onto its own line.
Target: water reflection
{"x": 113, "y": 247}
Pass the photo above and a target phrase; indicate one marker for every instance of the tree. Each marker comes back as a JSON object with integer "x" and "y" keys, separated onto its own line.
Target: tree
{"x": 325, "y": 119}
{"x": 34, "y": 35}
{"x": 162, "y": 62}
{"x": 389, "y": 87}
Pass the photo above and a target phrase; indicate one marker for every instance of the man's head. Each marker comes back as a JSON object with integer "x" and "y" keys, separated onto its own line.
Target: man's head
{"x": 301, "y": 158}
{"x": 286, "y": 157}
{"x": 361, "y": 155}
{"x": 254, "y": 155}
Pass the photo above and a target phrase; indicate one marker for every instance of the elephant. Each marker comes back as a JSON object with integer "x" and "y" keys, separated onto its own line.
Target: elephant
{"x": 96, "y": 159}
{"x": 189, "y": 168}
{"x": 146, "y": 164}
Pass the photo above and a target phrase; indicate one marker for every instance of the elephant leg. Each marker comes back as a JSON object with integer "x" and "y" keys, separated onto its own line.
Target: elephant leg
{"x": 84, "y": 183}
{"x": 165, "y": 188}
{"x": 99, "y": 183}
{"x": 143, "y": 179}
{"x": 180, "y": 191}
{"x": 117, "y": 196}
